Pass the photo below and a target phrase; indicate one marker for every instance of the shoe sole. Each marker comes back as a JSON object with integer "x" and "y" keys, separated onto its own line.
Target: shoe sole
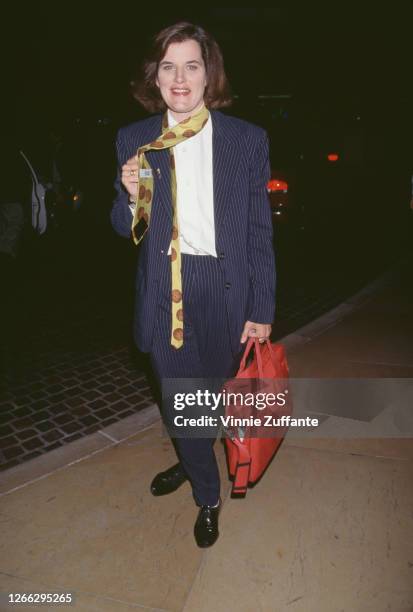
{"x": 206, "y": 544}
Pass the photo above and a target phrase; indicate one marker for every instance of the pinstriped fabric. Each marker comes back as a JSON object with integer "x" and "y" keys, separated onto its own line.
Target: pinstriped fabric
{"x": 207, "y": 349}
{"x": 206, "y": 354}
{"x": 243, "y": 225}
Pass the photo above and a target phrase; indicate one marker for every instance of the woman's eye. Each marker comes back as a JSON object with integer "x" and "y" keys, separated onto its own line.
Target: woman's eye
{"x": 192, "y": 67}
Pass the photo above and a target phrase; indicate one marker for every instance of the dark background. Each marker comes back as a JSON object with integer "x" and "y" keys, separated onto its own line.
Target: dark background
{"x": 70, "y": 66}
{"x": 77, "y": 59}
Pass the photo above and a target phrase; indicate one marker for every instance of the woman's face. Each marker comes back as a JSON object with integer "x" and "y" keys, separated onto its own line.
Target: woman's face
{"x": 181, "y": 78}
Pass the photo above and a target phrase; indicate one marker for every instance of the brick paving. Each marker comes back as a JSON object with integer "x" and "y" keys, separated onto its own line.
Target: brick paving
{"x": 55, "y": 404}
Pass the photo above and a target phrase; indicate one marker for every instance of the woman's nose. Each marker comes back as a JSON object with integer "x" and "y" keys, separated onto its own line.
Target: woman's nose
{"x": 179, "y": 74}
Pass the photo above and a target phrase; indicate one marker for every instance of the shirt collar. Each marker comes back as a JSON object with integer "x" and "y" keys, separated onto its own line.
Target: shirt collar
{"x": 172, "y": 121}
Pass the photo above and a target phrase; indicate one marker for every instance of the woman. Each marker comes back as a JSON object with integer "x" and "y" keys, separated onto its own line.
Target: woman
{"x": 191, "y": 189}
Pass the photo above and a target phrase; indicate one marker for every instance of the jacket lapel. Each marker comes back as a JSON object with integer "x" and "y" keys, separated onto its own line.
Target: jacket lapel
{"x": 159, "y": 162}
{"x": 225, "y": 150}
{"x": 225, "y": 167}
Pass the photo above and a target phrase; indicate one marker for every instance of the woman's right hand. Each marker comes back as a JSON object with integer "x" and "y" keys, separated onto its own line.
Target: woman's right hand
{"x": 129, "y": 176}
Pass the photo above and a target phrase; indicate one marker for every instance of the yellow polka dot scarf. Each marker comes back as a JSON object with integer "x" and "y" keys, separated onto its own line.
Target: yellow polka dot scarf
{"x": 141, "y": 218}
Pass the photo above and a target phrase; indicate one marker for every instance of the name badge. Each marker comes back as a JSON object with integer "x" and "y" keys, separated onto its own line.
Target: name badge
{"x": 145, "y": 173}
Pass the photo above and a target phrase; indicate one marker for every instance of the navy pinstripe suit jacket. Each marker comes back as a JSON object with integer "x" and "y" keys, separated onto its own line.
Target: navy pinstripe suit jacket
{"x": 243, "y": 224}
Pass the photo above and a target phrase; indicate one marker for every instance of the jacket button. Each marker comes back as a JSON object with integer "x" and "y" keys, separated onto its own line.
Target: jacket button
{"x": 221, "y": 256}
{"x": 227, "y": 285}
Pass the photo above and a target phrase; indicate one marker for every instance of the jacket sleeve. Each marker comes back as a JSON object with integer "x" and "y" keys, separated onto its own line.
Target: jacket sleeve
{"x": 261, "y": 256}
{"x": 120, "y": 215}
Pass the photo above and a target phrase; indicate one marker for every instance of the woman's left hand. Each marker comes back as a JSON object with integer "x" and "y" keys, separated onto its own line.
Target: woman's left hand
{"x": 261, "y": 331}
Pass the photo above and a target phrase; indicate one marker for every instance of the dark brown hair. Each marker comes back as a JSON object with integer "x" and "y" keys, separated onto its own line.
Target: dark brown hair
{"x": 217, "y": 91}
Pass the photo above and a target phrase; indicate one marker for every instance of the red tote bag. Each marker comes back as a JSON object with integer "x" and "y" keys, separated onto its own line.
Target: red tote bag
{"x": 251, "y": 448}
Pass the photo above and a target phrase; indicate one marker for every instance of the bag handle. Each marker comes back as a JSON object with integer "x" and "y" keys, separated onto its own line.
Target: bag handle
{"x": 257, "y": 349}
{"x": 274, "y": 359}
{"x": 32, "y": 172}
{"x": 272, "y": 352}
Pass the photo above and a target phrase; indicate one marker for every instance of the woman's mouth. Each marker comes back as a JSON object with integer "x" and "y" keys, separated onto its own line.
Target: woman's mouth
{"x": 180, "y": 91}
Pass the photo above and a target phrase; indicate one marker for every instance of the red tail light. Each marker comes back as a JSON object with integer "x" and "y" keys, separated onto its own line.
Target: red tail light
{"x": 332, "y": 157}
{"x": 275, "y": 185}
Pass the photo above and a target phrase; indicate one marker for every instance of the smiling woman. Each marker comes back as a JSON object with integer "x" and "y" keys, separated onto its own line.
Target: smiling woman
{"x": 191, "y": 187}
{"x": 207, "y": 54}
{"x": 182, "y": 81}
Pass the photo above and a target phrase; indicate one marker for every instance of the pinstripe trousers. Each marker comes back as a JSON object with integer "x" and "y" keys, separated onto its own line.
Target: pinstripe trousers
{"x": 206, "y": 354}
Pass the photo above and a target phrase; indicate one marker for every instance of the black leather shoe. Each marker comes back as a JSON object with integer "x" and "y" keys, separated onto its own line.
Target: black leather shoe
{"x": 168, "y": 481}
{"x": 206, "y": 526}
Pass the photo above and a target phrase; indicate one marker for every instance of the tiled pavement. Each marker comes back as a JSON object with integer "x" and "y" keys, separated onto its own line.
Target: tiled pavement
{"x": 58, "y": 403}
{"x": 70, "y": 369}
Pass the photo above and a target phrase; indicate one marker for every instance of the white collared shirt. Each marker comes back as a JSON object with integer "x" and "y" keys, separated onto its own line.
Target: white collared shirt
{"x": 195, "y": 194}
{"x": 193, "y": 167}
